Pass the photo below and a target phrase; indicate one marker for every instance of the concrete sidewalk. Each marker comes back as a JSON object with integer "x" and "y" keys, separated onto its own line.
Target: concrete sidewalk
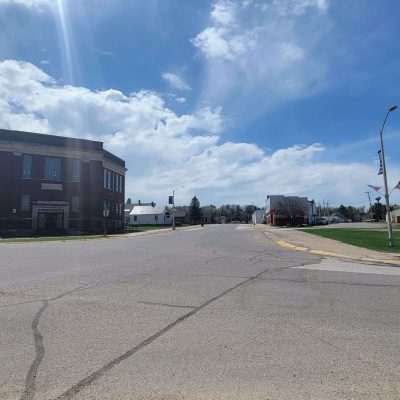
{"x": 297, "y": 240}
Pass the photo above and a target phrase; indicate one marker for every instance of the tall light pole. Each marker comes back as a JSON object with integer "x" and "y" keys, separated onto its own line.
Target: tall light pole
{"x": 370, "y": 203}
{"x": 388, "y": 216}
{"x": 173, "y": 210}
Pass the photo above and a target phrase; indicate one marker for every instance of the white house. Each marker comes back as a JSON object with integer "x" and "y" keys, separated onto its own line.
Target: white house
{"x": 149, "y": 215}
{"x": 258, "y": 217}
{"x": 395, "y": 214}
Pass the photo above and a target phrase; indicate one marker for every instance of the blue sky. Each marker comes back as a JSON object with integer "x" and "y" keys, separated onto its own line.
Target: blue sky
{"x": 228, "y": 100}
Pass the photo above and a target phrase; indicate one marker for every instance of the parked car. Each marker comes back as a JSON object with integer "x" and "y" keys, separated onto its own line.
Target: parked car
{"x": 321, "y": 221}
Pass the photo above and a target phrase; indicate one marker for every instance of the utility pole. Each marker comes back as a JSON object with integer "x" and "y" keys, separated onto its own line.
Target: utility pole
{"x": 388, "y": 216}
{"x": 173, "y": 210}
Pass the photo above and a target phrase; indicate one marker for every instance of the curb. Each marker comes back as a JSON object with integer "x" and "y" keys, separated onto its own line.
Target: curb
{"x": 55, "y": 239}
{"x": 291, "y": 246}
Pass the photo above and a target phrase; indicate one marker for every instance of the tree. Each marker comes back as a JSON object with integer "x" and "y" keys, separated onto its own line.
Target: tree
{"x": 195, "y": 211}
{"x": 291, "y": 211}
{"x": 343, "y": 211}
{"x": 378, "y": 210}
{"x": 248, "y": 211}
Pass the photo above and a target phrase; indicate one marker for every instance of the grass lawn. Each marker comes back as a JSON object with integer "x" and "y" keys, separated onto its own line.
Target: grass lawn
{"x": 370, "y": 239}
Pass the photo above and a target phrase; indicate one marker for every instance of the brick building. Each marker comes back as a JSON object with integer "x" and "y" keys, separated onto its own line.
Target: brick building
{"x": 52, "y": 184}
{"x": 289, "y": 210}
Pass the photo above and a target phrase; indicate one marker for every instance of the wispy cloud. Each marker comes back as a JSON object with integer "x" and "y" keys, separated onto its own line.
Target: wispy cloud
{"x": 104, "y": 53}
{"x": 259, "y": 54}
{"x": 175, "y": 81}
{"x": 29, "y": 3}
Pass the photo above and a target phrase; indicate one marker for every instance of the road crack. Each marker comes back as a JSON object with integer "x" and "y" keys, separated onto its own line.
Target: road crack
{"x": 40, "y": 350}
{"x": 30, "y": 380}
{"x": 100, "y": 372}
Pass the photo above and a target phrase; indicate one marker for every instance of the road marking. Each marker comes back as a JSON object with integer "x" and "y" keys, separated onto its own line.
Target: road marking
{"x": 355, "y": 268}
{"x": 323, "y": 253}
{"x": 192, "y": 229}
{"x": 244, "y": 228}
{"x": 288, "y": 245}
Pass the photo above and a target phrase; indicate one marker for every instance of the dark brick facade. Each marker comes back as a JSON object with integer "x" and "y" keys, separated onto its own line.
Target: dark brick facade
{"x": 63, "y": 187}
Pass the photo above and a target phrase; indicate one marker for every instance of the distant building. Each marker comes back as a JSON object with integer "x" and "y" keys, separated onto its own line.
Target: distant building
{"x": 181, "y": 216}
{"x": 258, "y": 217}
{"x": 149, "y": 214}
{"x": 289, "y": 210}
{"x": 395, "y": 215}
{"x": 52, "y": 184}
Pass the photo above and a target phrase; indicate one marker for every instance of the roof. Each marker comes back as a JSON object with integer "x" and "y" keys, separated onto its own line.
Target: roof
{"x": 58, "y": 141}
{"x": 114, "y": 158}
{"x": 147, "y": 210}
{"x": 49, "y": 140}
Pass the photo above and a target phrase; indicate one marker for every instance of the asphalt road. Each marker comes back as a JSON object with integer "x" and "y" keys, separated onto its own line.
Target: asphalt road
{"x": 213, "y": 313}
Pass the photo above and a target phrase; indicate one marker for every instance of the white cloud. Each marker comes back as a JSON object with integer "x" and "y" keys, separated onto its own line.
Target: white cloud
{"x": 259, "y": 54}
{"x": 29, "y": 3}
{"x": 175, "y": 81}
{"x": 166, "y": 151}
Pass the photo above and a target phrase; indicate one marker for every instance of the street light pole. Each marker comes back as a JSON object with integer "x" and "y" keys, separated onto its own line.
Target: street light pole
{"x": 173, "y": 210}
{"x": 370, "y": 202}
{"x": 388, "y": 216}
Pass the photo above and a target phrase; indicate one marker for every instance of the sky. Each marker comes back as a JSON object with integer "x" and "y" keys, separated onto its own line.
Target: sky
{"x": 228, "y": 100}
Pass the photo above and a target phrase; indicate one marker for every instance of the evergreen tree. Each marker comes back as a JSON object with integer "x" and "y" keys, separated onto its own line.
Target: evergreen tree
{"x": 195, "y": 211}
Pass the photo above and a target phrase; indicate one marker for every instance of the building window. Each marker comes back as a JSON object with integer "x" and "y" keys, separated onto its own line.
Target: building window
{"x": 156, "y": 218}
{"x": 135, "y": 218}
{"x": 25, "y": 202}
{"x": 52, "y": 169}
{"x": 76, "y": 170}
{"x": 107, "y": 208}
{"x": 75, "y": 204}
{"x": 105, "y": 179}
{"x": 108, "y": 179}
{"x": 26, "y": 166}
